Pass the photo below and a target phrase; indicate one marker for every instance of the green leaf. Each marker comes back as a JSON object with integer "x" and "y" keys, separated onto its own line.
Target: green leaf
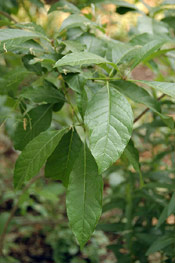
{"x": 171, "y": 205}
{"x": 10, "y": 81}
{"x": 165, "y": 87}
{"x": 10, "y": 37}
{"x": 60, "y": 163}
{"x": 134, "y": 56}
{"x": 84, "y": 196}
{"x": 43, "y": 93}
{"x": 93, "y": 44}
{"x": 35, "y": 155}
{"x": 132, "y": 155}
{"x": 159, "y": 244}
{"x": 76, "y": 20}
{"x": 109, "y": 119}
{"x": 64, "y": 6}
{"x": 140, "y": 95}
{"x": 38, "y": 3}
{"x": 32, "y": 67}
{"x": 79, "y": 59}
{"x": 34, "y": 122}
{"x": 75, "y": 81}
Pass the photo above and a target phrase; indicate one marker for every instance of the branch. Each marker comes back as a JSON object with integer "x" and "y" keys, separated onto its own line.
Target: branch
{"x": 146, "y": 110}
{"x": 12, "y": 213}
{"x": 8, "y": 16}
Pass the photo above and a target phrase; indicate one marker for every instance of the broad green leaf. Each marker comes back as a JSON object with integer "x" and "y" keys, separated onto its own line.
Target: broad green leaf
{"x": 60, "y": 163}
{"x": 32, "y": 67}
{"x": 84, "y": 196}
{"x": 152, "y": 26}
{"x": 34, "y": 122}
{"x": 160, "y": 244}
{"x": 73, "y": 46}
{"x": 117, "y": 50}
{"x": 64, "y": 6}
{"x": 76, "y": 20}
{"x": 132, "y": 155}
{"x": 109, "y": 120}
{"x": 134, "y": 56}
{"x": 10, "y": 37}
{"x": 43, "y": 93}
{"x": 10, "y": 81}
{"x": 79, "y": 59}
{"x": 165, "y": 87}
{"x": 93, "y": 44}
{"x": 140, "y": 95}
{"x": 75, "y": 81}
{"x": 35, "y": 155}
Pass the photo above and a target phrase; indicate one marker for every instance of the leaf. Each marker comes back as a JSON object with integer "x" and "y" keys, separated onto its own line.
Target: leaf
{"x": 60, "y": 163}
{"x": 64, "y": 6}
{"x": 84, "y": 196}
{"x": 140, "y": 95}
{"x": 167, "y": 211}
{"x": 134, "y": 56}
{"x": 75, "y": 81}
{"x": 79, "y": 59}
{"x": 93, "y": 44}
{"x": 159, "y": 244}
{"x": 109, "y": 119}
{"x": 38, "y": 3}
{"x": 31, "y": 67}
{"x": 10, "y": 37}
{"x": 34, "y": 122}
{"x": 165, "y": 87}
{"x": 35, "y": 155}
{"x": 132, "y": 155}
{"x": 76, "y": 20}
{"x": 171, "y": 205}
{"x": 43, "y": 93}
{"x": 10, "y": 81}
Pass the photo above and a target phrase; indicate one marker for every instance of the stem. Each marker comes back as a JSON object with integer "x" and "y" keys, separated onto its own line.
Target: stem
{"x": 12, "y": 213}
{"x": 146, "y": 110}
{"x": 8, "y": 16}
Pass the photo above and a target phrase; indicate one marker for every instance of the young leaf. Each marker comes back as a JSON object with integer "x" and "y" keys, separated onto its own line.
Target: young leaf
{"x": 134, "y": 56}
{"x": 43, "y": 93}
{"x": 79, "y": 59}
{"x": 165, "y": 87}
{"x": 64, "y": 6}
{"x": 85, "y": 193}
{"x": 60, "y": 163}
{"x": 109, "y": 119}
{"x": 34, "y": 122}
{"x": 10, "y": 37}
{"x": 35, "y": 155}
{"x": 132, "y": 155}
{"x": 11, "y": 80}
{"x": 75, "y": 20}
{"x": 140, "y": 95}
